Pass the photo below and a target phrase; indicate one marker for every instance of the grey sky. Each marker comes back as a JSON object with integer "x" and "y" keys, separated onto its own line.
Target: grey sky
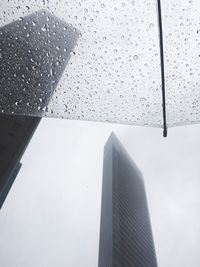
{"x": 51, "y": 216}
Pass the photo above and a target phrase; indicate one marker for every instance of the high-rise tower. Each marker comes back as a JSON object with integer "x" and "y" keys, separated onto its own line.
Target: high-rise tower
{"x": 125, "y": 236}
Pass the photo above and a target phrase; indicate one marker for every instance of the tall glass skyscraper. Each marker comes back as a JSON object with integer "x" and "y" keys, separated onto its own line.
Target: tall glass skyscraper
{"x": 125, "y": 236}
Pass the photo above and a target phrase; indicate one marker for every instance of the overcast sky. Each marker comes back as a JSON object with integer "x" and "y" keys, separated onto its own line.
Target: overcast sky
{"x": 51, "y": 216}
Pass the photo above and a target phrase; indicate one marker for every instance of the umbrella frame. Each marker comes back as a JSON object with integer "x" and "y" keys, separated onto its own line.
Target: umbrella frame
{"x": 162, "y": 65}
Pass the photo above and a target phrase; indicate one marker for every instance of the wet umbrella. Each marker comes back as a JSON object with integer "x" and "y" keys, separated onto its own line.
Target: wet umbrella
{"x": 124, "y": 66}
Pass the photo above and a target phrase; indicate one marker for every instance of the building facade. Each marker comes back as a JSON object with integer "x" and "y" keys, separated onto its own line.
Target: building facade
{"x": 125, "y": 234}
{"x": 31, "y": 68}
{"x": 15, "y": 134}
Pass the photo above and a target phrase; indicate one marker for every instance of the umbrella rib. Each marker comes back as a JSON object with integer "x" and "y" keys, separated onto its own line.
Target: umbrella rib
{"x": 162, "y": 67}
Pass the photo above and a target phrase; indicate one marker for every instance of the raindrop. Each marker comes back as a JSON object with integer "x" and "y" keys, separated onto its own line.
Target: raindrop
{"x": 43, "y": 28}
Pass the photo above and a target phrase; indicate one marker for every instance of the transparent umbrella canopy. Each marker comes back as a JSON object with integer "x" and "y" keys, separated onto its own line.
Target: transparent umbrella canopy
{"x": 109, "y": 61}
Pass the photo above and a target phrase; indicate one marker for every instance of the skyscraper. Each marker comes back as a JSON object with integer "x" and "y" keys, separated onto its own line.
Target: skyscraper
{"x": 31, "y": 66}
{"x": 34, "y": 52}
{"x": 15, "y": 134}
{"x": 125, "y": 235}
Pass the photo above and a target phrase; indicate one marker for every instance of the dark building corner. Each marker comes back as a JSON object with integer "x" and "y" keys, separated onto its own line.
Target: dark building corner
{"x": 15, "y": 134}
